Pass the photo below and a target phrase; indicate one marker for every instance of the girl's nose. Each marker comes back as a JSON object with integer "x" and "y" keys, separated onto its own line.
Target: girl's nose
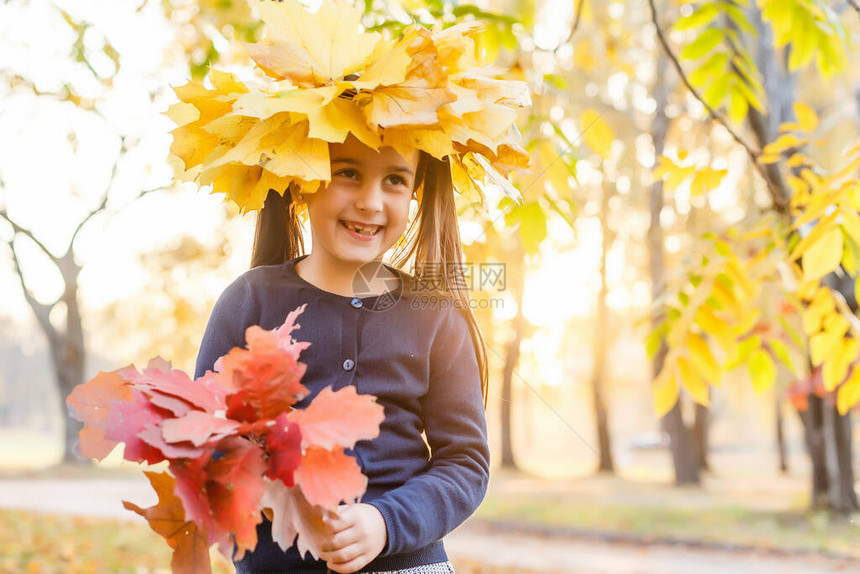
{"x": 371, "y": 196}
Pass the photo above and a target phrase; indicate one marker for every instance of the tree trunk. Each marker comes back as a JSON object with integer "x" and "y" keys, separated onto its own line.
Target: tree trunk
{"x": 681, "y": 445}
{"x": 813, "y": 436}
{"x": 700, "y": 436}
{"x": 827, "y": 440}
{"x": 601, "y": 346}
{"x": 67, "y": 350}
{"x": 837, "y": 435}
{"x": 684, "y": 457}
{"x": 516, "y": 281}
{"x": 780, "y": 438}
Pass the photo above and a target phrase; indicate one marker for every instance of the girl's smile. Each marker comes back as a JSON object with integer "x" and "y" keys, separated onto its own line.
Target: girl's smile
{"x": 360, "y": 214}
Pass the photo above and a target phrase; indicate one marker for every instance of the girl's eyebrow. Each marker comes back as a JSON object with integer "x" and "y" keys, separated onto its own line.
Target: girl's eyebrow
{"x": 355, "y": 162}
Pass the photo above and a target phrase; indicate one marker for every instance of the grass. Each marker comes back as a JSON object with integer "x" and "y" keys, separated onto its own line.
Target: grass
{"x": 650, "y": 511}
{"x": 39, "y": 543}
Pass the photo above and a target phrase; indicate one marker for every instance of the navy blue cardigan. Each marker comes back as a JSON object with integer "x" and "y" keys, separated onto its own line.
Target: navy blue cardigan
{"x": 417, "y": 358}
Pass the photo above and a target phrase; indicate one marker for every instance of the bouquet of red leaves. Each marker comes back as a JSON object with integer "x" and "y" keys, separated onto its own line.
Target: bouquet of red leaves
{"x": 234, "y": 444}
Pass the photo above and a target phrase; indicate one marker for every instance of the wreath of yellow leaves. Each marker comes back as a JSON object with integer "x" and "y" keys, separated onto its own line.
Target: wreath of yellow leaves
{"x": 324, "y": 78}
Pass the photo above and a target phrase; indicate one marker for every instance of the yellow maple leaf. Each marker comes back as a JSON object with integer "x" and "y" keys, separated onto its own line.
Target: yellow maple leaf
{"x": 415, "y": 101}
{"x": 312, "y": 48}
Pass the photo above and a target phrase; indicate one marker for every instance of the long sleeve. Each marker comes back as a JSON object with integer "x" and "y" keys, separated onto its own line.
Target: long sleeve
{"x": 428, "y": 506}
{"x": 232, "y": 314}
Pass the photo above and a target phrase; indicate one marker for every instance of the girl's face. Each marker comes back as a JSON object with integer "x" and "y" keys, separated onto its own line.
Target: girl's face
{"x": 364, "y": 210}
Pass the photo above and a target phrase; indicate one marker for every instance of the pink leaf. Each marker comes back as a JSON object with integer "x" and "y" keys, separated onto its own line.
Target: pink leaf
{"x": 153, "y": 436}
{"x": 159, "y": 377}
{"x": 127, "y": 419}
{"x": 198, "y": 428}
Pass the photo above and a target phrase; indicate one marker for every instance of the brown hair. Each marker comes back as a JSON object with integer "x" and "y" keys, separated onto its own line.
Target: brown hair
{"x": 431, "y": 241}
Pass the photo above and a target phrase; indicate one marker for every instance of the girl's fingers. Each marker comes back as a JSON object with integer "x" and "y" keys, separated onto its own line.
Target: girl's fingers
{"x": 341, "y": 540}
{"x": 335, "y": 523}
{"x": 342, "y": 555}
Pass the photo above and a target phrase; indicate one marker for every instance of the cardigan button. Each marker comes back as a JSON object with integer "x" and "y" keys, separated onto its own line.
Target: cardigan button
{"x": 348, "y": 365}
{"x": 356, "y": 302}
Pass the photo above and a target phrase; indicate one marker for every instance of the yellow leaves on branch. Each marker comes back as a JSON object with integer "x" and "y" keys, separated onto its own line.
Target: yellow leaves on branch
{"x": 814, "y": 31}
{"x": 702, "y": 179}
{"x": 322, "y": 78}
{"x": 831, "y": 346}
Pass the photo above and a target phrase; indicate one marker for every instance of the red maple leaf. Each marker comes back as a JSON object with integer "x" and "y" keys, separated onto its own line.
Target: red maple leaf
{"x": 265, "y": 380}
{"x": 328, "y": 477}
{"x": 189, "y": 543}
{"x": 90, "y": 404}
{"x": 222, "y": 490}
{"x": 284, "y": 443}
{"x": 340, "y": 417}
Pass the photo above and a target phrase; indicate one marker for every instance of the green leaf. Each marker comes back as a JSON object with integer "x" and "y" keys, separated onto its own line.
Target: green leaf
{"x": 653, "y": 339}
{"x": 803, "y": 40}
{"x": 823, "y": 256}
{"x": 707, "y": 41}
{"x": 714, "y": 65}
{"x": 781, "y": 351}
{"x": 738, "y": 105}
{"x": 744, "y": 349}
{"x": 555, "y": 80}
{"x": 703, "y": 15}
{"x": 736, "y": 15}
{"x": 762, "y": 370}
{"x": 531, "y": 219}
{"x": 716, "y": 92}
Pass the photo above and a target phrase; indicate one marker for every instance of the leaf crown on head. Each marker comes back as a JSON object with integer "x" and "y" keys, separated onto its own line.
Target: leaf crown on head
{"x": 324, "y": 78}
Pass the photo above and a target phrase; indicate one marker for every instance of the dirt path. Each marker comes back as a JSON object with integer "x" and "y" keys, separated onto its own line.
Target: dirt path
{"x": 475, "y": 547}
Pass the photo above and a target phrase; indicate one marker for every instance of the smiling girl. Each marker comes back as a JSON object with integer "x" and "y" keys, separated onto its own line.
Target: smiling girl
{"x": 384, "y": 203}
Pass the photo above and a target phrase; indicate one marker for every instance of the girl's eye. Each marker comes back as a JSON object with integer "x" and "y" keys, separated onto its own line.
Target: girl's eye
{"x": 395, "y": 179}
{"x": 348, "y": 173}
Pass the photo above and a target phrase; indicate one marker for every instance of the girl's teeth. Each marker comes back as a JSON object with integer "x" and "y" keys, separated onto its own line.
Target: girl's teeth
{"x": 362, "y": 230}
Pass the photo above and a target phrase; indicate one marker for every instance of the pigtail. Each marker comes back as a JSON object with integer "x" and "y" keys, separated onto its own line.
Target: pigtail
{"x": 278, "y": 233}
{"x": 432, "y": 243}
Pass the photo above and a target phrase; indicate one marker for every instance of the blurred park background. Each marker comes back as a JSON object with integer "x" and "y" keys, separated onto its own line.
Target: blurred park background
{"x": 672, "y": 344}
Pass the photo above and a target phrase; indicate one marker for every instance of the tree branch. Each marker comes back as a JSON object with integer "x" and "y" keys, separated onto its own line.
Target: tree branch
{"x": 576, "y": 19}
{"x": 29, "y": 234}
{"x": 779, "y": 203}
{"x": 104, "y": 200}
{"x": 855, "y": 5}
{"x": 42, "y": 311}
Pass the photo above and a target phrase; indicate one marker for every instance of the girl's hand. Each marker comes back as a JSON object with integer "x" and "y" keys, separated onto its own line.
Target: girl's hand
{"x": 358, "y": 536}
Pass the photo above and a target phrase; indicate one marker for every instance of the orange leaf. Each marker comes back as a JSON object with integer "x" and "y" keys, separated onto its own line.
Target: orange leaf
{"x": 190, "y": 544}
{"x": 340, "y": 417}
{"x": 329, "y": 476}
{"x": 265, "y": 377}
{"x": 90, "y": 404}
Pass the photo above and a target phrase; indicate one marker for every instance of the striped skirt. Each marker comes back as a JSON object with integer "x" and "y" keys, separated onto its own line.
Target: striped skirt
{"x": 437, "y": 568}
